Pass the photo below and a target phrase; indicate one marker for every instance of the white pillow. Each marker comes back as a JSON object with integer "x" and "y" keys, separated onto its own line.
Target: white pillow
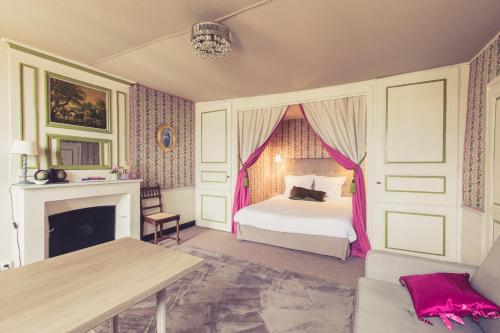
{"x": 305, "y": 181}
{"x": 331, "y": 185}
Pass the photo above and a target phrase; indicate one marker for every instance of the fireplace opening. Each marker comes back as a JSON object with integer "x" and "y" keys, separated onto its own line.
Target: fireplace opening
{"x": 80, "y": 228}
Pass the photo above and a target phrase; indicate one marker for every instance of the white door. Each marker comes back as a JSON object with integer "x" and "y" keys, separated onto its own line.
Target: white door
{"x": 213, "y": 165}
{"x": 492, "y": 163}
{"x": 415, "y": 179}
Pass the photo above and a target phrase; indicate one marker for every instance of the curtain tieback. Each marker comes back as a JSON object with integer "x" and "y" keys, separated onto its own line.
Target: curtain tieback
{"x": 352, "y": 187}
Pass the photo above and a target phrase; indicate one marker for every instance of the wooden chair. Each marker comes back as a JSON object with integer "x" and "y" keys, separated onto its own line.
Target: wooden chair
{"x": 158, "y": 218}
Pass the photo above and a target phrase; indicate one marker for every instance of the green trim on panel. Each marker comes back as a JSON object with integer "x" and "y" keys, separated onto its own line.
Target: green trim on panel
{"x": 68, "y": 63}
{"x": 493, "y": 233}
{"x": 225, "y": 208}
{"x": 422, "y": 177}
{"x": 445, "y": 106}
{"x": 225, "y": 129}
{"x": 386, "y": 243}
{"x": 495, "y": 146}
{"x": 118, "y": 93}
{"x": 117, "y": 129}
{"x": 109, "y": 106}
{"x": 214, "y": 181}
{"x": 22, "y": 109}
{"x": 57, "y": 164}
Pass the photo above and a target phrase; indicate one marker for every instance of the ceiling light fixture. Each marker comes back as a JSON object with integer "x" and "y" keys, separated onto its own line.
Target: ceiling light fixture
{"x": 211, "y": 40}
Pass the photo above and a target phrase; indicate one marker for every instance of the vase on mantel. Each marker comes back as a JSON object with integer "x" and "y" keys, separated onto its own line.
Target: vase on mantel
{"x": 115, "y": 176}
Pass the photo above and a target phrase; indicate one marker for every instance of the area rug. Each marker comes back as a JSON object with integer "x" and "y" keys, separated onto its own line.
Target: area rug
{"x": 229, "y": 295}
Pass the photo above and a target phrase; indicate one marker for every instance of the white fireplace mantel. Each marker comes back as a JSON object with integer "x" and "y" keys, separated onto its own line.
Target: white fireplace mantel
{"x": 34, "y": 203}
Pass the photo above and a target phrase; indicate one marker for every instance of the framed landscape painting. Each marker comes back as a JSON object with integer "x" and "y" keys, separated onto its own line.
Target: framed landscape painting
{"x": 76, "y": 104}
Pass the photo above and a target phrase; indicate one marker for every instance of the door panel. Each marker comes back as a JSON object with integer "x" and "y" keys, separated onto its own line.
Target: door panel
{"x": 416, "y": 113}
{"x": 213, "y": 125}
{"x": 213, "y": 166}
{"x": 492, "y": 203}
{"x": 415, "y": 141}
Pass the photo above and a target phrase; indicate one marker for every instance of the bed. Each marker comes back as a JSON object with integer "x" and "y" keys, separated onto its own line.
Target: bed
{"x": 317, "y": 227}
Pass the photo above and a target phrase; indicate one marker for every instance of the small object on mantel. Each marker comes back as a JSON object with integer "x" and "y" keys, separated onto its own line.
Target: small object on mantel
{"x": 91, "y": 179}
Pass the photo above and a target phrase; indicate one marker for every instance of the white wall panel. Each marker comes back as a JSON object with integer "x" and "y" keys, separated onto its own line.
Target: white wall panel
{"x": 416, "y": 184}
{"x": 23, "y": 98}
{"x": 496, "y": 155}
{"x": 213, "y": 208}
{"x": 415, "y": 122}
{"x": 214, "y": 136}
{"x": 122, "y": 126}
{"x": 213, "y": 176}
{"x": 415, "y": 232}
{"x": 415, "y": 163}
{"x": 29, "y": 111}
{"x": 496, "y": 230}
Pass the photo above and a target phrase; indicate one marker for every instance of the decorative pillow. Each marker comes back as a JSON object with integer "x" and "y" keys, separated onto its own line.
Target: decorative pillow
{"x": 300, "y": 193}
{"x": 304, "y": 181}
{"x": 447, "y": 296}
{"x": 331, "y": 185}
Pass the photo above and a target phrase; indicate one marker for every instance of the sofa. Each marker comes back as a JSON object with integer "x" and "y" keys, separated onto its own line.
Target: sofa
{"x": 384, "y": 306}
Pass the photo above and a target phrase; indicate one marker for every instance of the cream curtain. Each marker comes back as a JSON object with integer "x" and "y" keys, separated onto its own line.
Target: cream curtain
{"x": 255, "y": 127}
{"x": 341, "y": 123}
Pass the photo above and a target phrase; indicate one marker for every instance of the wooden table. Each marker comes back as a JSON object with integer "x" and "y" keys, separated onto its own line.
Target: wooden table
{"x": 78, "y": 291}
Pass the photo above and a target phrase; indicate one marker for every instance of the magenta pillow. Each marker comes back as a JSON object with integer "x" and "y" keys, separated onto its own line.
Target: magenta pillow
{"x": 447, "y": 296}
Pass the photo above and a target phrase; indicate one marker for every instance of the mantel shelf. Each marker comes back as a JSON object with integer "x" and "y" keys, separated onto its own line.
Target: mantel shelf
{"x": 71, "y": 184}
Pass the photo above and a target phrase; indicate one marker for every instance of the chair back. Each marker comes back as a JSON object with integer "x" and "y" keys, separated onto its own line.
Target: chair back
{"x": 147, "y": 194}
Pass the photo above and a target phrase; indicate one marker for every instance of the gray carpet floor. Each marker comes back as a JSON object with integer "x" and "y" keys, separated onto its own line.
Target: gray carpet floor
{"x": 324, "y": 267}
{"x": 229, "y": 294}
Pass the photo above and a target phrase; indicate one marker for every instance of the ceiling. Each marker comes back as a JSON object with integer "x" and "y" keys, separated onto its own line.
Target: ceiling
{"x": 278, "y": 45}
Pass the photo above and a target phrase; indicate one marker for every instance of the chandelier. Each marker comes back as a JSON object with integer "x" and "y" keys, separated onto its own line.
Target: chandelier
{"x": 210, "y": 40}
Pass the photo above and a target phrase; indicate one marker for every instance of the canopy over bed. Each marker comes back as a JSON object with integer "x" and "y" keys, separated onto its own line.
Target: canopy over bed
{"x": 340, "y": 125}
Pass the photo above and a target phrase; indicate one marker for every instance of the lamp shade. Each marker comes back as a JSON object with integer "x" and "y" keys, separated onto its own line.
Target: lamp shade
{"x": 23, "y": 147}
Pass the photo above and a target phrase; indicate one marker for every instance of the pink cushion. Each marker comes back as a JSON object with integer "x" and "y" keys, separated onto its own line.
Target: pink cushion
{"x": 448, "y": 296}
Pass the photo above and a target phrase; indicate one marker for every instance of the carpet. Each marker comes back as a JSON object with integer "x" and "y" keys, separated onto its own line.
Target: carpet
{"x": 231, "y": 295}
{"x": 331, "y": 269}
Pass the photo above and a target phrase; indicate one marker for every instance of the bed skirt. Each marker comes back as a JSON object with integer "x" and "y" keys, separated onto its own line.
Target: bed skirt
{"x": 330, "y": 246}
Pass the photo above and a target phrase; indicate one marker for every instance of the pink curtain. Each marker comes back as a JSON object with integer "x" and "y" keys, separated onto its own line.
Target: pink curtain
{"x": 361, "y": 246}
{"x": 241, "y": 192}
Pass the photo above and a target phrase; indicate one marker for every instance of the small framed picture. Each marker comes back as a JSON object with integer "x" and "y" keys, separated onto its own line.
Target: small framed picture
{"x": 166, "y": 138}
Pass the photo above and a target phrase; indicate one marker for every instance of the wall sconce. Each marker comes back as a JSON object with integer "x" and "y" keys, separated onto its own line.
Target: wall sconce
{"x": 278, "y": 159}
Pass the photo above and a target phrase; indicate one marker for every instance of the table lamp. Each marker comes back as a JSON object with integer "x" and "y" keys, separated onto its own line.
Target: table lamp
{"x": 24, "y": 148}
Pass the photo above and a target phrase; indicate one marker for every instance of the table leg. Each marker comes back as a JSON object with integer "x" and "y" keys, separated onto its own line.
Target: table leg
{"x": 113, "y": 325}
{"x": 161, "y": 311}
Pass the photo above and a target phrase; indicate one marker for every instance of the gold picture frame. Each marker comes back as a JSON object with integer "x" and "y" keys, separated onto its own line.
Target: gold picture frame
{"x": 166, "y": 138}
{"x": 84, "y": 106}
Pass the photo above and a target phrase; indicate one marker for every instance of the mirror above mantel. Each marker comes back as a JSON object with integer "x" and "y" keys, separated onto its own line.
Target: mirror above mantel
{"x": 78, "y": 153}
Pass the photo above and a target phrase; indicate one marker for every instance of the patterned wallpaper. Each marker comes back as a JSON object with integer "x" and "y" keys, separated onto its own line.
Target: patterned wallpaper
{"x": 482, "y": 70}
{"x": 293, "y": 139}
{"x": 150, "y": 109}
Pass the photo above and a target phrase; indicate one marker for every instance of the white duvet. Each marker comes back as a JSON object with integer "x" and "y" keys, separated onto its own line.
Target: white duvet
{"x": 331, "y": 218}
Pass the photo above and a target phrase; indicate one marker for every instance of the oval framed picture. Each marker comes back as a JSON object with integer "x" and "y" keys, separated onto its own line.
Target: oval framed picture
{"x": 165, "y": 136}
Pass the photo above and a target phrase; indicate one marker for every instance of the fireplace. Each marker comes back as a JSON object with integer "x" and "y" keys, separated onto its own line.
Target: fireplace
{"x": 80, "y": 228}
{"x": 37, "y": 209}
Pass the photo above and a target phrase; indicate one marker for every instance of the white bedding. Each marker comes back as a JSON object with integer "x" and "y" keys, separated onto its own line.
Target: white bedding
{"x": 331, "y": 218}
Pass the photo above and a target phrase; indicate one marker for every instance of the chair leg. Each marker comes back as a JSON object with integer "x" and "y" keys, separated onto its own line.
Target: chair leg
{"x": 161, "y": 231}
{"x": 178, "y": 238}
{"x": 142, "y": 229}
{"x": 156, "y": 234}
